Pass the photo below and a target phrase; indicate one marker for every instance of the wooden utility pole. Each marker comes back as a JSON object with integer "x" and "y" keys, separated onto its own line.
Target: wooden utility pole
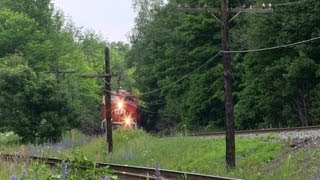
{"x": 107, "y": 96}
{"x": 227, "y": 69}
{"x": 107, "y": 76}
{"x": 108, "y": 100}
{"x": 227, "y": 74}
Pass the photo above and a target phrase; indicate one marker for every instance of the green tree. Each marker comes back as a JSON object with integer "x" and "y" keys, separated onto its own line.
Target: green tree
{"x": 277, "y": 86}
{"x": 32, "y": 104}
{"x": 16, "y": 29}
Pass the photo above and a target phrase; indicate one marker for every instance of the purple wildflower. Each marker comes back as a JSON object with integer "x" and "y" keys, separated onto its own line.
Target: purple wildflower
{"x": 13, "y": 177}
{"x": 157, "y": 173}
{"x": 64, "y": 172}
{"x": 16, "y": 158}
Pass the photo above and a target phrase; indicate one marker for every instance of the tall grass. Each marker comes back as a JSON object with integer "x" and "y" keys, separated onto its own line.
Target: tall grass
{"x": 297, "y": 164}
{"x": 70, "y": 139}
{"x": 192, "y": 154}
{"x": 256, "y": 157}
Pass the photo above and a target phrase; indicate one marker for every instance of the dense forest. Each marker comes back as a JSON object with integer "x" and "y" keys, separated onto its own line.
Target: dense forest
{"x": 171, "y": 65}
{"x": 42, "y": 58}
{"x": 274, "y": 88}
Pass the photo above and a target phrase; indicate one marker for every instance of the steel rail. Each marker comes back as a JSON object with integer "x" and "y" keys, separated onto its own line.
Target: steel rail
{"x": 260, "y": 131}
{"x": 128, "y": 172}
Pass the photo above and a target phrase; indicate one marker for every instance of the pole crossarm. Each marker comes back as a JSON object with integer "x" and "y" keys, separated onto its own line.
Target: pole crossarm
{"x": 198, "y": 10}
{"x": 60, "y": 71}
{"x": 257, "y": 10}
{"x": 95, "y": 75}
{"x": 217, "y": 10}
{"x": 64, "y": 72}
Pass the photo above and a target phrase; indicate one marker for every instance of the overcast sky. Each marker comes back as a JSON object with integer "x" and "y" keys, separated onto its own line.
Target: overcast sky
{"x": 112, "y": 18}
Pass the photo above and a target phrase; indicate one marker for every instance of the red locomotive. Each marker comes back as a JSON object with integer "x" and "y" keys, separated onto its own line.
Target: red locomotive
{"x": 124, "y": 109}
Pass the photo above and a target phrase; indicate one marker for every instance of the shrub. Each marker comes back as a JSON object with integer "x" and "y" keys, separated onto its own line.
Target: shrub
{"x": 9, "y": 138}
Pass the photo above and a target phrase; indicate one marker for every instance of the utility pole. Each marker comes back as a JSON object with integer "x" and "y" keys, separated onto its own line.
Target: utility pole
{"x": 108, "y": 100}
{"x": 107, "y": 76}
{"x": 227, "y": 69}
{"x": 107, "y": 96}
{"x": 227, "y": 74}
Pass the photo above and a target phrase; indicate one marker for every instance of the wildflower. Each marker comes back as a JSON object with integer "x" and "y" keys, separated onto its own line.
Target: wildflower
{"x": 13, "y": 177}
{"x": 16, "y": 159}
{"x": 157, "y": 173}
{"x": 64, "y": 172}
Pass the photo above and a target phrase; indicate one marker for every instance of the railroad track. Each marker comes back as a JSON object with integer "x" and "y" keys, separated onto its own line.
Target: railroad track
{"x": 260, "y": 131}
{"x": 128, "y": 172}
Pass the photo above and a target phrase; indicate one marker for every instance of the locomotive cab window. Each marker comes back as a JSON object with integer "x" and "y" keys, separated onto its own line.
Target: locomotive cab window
{"x": 129, "y": 99}
{"x": 114, "y": 98}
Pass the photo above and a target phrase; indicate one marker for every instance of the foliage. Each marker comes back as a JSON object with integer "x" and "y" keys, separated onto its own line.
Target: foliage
{"x": 9, "y": 138}
{"x": 74, "y": 167}
{"x": 168, "y": 47}
{"x": 168, "y": 64}
{"x": 30, "y": 100}
{"x": 41, "y": 59}
{"x": 265, "y": 157}
{"x": 298, "y": 164}
{"x": 275, "y": 88}
{"x": 199, "y": 155}
{"x": 77, "y": 167}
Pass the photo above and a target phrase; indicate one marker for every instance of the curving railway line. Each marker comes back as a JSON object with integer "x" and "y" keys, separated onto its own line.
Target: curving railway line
{"x": 129, "y": 172}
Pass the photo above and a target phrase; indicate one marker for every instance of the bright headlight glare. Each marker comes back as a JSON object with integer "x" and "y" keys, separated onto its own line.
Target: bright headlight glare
{"x": 120, "y": 105}
{"x": 127, "y": 121}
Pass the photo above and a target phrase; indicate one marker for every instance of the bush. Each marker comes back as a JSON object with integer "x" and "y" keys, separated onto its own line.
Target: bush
{"x": 9, "y": 138}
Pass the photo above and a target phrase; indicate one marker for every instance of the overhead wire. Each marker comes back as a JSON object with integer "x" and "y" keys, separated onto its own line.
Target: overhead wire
{"x": 292, "y": 3}
{"x": 168, "y": 85}
{"x": 183, "y": 77}
{"x": 231, "y": 51}
{"x": 152, "y": 112}
{"x": 218, "y": 53}
{"x": 155, "y": 103}
{"x": 272, "y": 48}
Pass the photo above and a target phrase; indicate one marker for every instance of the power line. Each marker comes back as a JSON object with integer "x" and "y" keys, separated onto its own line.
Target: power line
{"x": 272, "y": 48}
{"x": 155, "y": 103}
{"x": 151, "y": 112}
{"x": 183, "y": 77}
{"x": 180, "y": 79}
{"x": 293, "y": 3}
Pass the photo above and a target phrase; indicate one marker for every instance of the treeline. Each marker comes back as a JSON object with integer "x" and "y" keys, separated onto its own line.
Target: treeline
{"x": 274, "y": 88}
{"x": 41, "y": 57}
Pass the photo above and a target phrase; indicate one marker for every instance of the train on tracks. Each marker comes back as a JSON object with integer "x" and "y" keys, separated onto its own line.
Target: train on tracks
{"x": 124, "y": 109}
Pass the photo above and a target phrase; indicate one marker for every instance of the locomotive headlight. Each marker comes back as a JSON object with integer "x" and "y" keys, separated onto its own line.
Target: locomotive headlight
{"x": 120, "y": 105}
{"x": 127, "y": 121}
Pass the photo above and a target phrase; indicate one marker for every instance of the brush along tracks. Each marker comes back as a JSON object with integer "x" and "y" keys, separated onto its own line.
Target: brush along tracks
{"x": 124, "y": 171}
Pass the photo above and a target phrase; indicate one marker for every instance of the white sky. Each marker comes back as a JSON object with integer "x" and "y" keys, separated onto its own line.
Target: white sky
{"x": 114, "y": 19}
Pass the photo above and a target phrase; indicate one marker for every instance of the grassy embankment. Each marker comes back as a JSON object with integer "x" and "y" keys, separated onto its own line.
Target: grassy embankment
{"x": 256, "y": 157}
